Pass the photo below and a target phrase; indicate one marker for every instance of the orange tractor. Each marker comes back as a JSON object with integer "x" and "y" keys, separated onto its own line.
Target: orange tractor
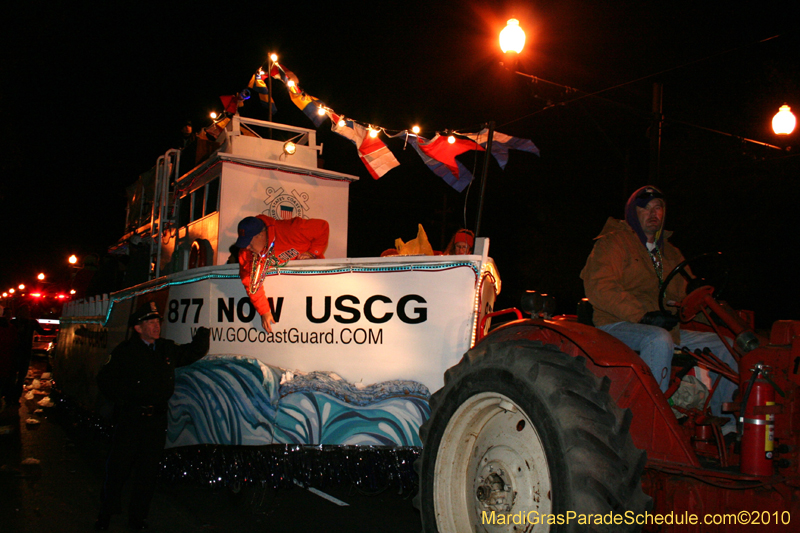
{"x": 554, "y": 425}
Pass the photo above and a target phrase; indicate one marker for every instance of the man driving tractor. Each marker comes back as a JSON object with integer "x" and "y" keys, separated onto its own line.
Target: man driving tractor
{"x": 622, "y": 279}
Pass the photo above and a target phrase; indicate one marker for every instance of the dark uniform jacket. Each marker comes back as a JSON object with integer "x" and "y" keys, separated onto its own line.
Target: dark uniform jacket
{"x": 136, "y": 376}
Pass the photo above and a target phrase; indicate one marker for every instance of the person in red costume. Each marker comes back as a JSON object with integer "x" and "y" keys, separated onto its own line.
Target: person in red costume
{"x": 462, "y": 243}
{"x": 264, "y": 239}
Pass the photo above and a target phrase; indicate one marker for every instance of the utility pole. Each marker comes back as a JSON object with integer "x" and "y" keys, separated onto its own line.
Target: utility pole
{"x": 655, "y": 133}
{"x": 486, "y": 158}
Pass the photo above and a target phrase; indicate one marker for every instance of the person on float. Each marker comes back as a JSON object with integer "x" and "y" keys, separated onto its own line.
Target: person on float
{"x": 462, "y": 243}
{"x": 622, "y": 279}
{"x": 139, "y": 378}
{"x": 265, "y": 241}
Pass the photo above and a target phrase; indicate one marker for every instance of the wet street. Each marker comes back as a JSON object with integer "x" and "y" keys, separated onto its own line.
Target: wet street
{"x": 51, "y": 472}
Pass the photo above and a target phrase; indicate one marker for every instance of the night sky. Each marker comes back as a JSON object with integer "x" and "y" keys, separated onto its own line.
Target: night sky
{"x": 91, "y": 95}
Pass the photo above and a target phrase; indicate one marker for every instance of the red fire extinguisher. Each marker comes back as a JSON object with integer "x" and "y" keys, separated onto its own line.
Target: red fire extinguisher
{"x": 758, "y": 436}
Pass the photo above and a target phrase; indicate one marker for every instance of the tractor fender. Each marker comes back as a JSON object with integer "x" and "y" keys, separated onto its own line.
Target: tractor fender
{"x": 632, "y": 385}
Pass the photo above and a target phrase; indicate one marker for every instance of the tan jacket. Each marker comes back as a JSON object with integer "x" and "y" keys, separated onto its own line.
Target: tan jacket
{"x": 620, "y": 280}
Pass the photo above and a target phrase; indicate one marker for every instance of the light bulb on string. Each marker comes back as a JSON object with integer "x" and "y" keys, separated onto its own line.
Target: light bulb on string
{"x": 373, "y": 132}
{"x": 451, "y": 139}
{"x": 415, "y": 129}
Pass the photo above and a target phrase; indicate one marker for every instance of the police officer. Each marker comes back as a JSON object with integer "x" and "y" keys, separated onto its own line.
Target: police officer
{"x": 140, "y": 379}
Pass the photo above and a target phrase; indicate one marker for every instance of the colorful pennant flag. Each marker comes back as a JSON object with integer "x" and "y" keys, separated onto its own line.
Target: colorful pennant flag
{"x": 309, "y": 105}
{"x": 375, "y": 155}
{"x": 502, "y": 143}
{"x": 260, "y": 87}
{"x": 233, "y": 102}
{"x": 285, "y": 75}
{"x": 440, "y": 156}
{"x": 213, "y": 131}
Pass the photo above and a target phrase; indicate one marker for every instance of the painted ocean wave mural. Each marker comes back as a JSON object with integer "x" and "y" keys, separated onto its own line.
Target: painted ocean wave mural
{"x": 235, "y": 400}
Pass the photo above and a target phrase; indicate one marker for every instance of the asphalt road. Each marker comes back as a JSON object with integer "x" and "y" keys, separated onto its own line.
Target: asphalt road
{"x": 60, "y": 490}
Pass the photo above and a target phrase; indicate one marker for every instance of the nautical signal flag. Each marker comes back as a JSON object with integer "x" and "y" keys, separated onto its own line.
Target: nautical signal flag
{"x": 213, "y": 131}
{"x": 279, "y": 73}
{"x": 373, "y": 152}
{"x": 232, "y": 103}
{"x": 260, "y": 87}
{"x": 439, "y": 154}
{"x": 502, "y": 143}
{"x": 309, "y": 105}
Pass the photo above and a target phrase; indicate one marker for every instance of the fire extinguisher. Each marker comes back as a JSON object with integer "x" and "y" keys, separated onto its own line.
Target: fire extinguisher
{"x": 758, "y": 433}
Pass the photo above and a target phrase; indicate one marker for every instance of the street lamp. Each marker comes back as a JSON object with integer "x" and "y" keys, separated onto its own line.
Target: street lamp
{"x": 512, "y": 38}
{"x": 783, "y": 122}
{"x": 40, "y": 277}
{"x": 73, "y": 259}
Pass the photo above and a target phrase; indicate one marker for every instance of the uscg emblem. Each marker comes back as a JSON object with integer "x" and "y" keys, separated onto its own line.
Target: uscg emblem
{"x": 281, "y": 205}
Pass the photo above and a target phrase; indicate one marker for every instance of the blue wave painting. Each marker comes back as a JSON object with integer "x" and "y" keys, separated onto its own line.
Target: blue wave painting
{"x": 234, "y": 400}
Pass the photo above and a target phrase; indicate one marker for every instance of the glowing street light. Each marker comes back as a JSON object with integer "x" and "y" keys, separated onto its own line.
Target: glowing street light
{"x": 73, "y": 259}
{"x": 21, "y": 286}
{"x": 40, "y": 277}
{"x": 784, "y": 122}
{"x": 512, "y": 38}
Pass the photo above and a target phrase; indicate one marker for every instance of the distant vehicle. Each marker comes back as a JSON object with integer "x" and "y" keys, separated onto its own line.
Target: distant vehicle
{"x": 44, "y": 345}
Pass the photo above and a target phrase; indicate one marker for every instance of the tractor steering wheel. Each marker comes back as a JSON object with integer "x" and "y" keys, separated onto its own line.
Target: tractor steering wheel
{"x": 696, "y": 289}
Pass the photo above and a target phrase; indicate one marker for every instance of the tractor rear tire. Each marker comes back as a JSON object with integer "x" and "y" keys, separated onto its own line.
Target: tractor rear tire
{"x": 525, "y": 437}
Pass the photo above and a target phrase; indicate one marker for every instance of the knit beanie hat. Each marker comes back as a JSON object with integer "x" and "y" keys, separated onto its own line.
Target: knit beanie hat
{"x": 640, "y": 198}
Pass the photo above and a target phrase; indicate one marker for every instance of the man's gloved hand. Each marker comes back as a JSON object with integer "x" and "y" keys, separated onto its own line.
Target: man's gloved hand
{"x": 201, "y": 341}
{"x": 203, "y": 332}
{"x": 660, "y": 319}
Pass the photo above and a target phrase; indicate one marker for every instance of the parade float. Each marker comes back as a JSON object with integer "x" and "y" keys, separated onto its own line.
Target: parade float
{"x": 358, "y": 343}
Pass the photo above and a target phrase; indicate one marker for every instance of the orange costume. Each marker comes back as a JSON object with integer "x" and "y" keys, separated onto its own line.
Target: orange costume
{"x": 292, "y": 237}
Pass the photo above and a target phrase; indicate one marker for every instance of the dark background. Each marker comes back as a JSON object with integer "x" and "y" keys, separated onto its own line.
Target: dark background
{"x": 93, "y": 93}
